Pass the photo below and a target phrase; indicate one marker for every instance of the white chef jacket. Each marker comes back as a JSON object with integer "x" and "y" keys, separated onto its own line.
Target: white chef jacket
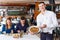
{"x": 48, "y": 18}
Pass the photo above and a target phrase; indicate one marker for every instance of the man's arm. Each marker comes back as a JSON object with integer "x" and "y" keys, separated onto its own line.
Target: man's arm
{"x": 54, "y": 22}
{"x": 38, "y": 21}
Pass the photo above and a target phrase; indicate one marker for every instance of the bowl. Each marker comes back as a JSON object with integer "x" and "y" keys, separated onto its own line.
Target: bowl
{"x": 34, "y": 29}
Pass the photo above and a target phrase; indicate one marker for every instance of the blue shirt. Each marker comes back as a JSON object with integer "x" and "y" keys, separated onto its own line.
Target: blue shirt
{"x": 20, "y": 27}
{"x": 7, "y": 30}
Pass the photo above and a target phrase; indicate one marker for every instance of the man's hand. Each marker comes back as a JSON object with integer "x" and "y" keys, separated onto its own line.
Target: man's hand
{"x": 31, "y": 33}
{"x": 44, "y": 26}
{"x": 18, "y": 31}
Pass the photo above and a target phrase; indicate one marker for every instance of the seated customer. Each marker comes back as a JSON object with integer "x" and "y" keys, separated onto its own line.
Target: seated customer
{"x": 22, "y": 25}
{"x": 8, "y": 28}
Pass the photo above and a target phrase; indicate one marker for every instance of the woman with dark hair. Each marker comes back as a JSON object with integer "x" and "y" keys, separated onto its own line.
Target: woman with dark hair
{"x": 8, "y": 28}
{"x": 22, "y": 25}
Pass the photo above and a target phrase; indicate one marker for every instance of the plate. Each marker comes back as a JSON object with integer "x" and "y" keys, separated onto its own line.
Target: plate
{"x": 15, "y": 35}
{"x": 34, "y": 29}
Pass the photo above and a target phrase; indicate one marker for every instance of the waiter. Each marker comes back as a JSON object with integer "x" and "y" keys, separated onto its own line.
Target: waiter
{"x": 47, "y": 22}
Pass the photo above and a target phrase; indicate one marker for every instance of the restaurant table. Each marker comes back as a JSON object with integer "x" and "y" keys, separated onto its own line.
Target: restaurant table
{"x": 25, "y": 37}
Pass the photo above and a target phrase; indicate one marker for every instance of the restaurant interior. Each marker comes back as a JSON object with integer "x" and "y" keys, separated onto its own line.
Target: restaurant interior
{"x": 15, "y": 9}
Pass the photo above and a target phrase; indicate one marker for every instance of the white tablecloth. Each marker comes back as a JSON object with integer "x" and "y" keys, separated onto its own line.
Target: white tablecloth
{"x": 25, "y": 37}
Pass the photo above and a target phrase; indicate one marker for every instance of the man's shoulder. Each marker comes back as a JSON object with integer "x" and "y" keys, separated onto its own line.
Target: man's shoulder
{"x": 38, "y": 15}
{"x": 50, "y": 12}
